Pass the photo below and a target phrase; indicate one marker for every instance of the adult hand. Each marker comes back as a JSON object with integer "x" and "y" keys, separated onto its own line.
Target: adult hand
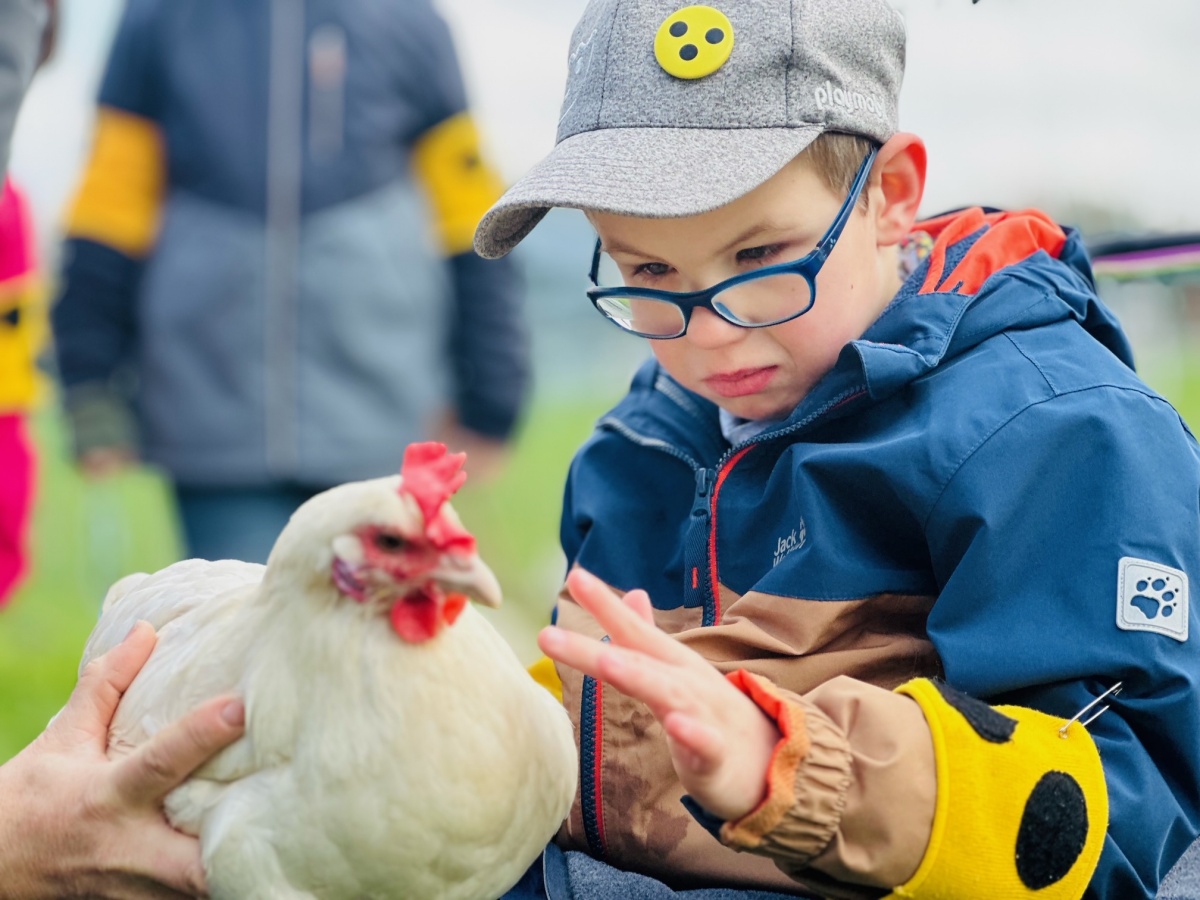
{"x": 75, "y": 824}
{"x": 720, "y": 741}
{"x": 104, "y": 462}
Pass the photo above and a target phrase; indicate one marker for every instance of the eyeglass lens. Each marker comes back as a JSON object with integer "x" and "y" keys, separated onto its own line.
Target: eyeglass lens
{"x": 761, "y": 301}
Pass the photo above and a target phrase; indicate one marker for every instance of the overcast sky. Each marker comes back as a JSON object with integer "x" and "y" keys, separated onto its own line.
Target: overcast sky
{"x": 1061, "y": 103}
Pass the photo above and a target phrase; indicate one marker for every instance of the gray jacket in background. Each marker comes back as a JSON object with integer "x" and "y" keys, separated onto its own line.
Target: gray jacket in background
{"x": 21, "y": 24}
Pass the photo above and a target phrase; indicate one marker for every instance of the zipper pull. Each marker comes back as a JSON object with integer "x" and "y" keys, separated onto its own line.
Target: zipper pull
{"x": 695, "y": 548}
{"x": 700, "y": 503}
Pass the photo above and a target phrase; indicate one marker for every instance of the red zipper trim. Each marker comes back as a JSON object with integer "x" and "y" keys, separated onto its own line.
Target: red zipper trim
{"x": 598, "y": 781}
{"x": 712, "y": 534}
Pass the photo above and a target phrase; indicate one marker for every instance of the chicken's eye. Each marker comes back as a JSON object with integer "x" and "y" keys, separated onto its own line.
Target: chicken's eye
{"x": 389, "y": 543}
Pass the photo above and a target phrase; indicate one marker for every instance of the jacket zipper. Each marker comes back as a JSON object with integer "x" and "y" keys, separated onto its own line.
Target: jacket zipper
{"x": 285, "y": 138}
{"x": 591, "y": 758}
{"x": 712, "y": 602}
{"x": 704, "y": 505}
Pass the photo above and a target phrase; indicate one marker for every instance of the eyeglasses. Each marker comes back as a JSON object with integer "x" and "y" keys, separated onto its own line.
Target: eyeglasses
{"x": 767, "y": 296}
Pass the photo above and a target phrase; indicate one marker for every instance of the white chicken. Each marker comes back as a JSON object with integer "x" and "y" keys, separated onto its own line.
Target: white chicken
{"x": 394, "y": 745}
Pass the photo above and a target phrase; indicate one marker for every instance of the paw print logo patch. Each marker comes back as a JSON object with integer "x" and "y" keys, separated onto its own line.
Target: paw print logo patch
{"x": 693, "y": 42}
{"x": 1152, "y": 597}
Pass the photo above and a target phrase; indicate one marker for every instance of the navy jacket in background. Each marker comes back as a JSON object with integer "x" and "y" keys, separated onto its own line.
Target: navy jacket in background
{"x": 270, "y": 240}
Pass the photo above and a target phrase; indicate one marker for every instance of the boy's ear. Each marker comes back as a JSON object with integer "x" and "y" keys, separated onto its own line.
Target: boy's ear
{"x": 896, "y": 186}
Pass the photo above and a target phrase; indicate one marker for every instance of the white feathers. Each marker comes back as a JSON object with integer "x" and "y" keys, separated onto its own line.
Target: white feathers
{"x": 371, "y": 767}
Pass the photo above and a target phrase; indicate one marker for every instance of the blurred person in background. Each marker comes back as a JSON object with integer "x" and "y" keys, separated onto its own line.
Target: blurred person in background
{"x": 22, "y": 316}
{"x": 72, "y": 822}
{"x": 269, "y": 284}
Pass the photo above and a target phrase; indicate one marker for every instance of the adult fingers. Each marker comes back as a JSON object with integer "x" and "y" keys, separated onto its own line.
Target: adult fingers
{"x": 171, "y": 860}
{"x": 625, "y": 626}
{"x": 164, "y": 761}
{"x": 92, "y": 704}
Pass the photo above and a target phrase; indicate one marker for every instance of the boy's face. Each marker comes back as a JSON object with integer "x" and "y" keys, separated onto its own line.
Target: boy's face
{"x": 758, "y": 373}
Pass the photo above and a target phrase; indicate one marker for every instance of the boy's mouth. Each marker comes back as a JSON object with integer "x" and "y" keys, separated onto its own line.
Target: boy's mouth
{"x": 742, "y": 382}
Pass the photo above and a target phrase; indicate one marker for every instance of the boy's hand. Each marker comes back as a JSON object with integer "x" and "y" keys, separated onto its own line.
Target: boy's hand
{"x": 74, "y": 823}
{"x": 720, "y": 741}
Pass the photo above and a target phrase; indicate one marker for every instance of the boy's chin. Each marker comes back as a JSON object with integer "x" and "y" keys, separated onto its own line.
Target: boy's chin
{"x": 756, "y": 407}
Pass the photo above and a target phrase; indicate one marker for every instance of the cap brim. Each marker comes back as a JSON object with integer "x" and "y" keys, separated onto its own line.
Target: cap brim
{"x": 648, "y": 172}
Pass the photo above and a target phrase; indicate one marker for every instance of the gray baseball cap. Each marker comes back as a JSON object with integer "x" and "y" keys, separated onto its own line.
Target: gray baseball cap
{"x": 675, "y": 110}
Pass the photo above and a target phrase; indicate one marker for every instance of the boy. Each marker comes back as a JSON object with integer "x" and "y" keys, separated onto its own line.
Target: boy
{"x": 897, "y": 481}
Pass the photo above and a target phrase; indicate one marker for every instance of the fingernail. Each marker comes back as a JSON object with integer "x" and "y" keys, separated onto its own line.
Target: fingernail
{"x": 136, "y": 625}
{"x": 233, "y": 714}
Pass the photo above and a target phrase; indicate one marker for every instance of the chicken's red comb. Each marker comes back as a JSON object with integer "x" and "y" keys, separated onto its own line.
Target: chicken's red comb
{"x": 430, "y": 475}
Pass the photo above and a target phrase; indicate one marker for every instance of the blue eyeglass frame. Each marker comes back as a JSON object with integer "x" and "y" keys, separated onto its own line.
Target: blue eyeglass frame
{"x": 808, "y": 266}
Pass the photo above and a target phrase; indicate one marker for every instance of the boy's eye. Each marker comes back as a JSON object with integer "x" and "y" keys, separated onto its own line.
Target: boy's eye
{"x": 652, "y": 270}
{"x": 759, "y": 254}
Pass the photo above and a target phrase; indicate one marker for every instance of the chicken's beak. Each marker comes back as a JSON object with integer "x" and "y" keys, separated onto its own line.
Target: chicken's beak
{"x": 468, "y": 574}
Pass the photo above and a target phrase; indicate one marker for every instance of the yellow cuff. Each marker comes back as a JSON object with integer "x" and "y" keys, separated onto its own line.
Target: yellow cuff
{"x": 1021, "y": 811}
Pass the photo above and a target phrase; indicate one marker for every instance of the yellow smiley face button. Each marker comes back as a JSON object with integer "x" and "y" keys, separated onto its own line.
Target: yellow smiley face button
{"x": 694, "y": 42}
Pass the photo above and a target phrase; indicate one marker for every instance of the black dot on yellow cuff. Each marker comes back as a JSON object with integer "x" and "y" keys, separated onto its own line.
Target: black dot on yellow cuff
{"x": 1054, "y": 829}
{"x": 992, "y": 726}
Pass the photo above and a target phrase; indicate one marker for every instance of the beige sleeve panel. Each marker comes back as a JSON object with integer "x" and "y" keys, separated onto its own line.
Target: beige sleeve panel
{"x": 859, "y": 805}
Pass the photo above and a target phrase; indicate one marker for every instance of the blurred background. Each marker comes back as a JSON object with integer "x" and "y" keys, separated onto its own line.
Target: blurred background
{"x": 1089, "y": 109}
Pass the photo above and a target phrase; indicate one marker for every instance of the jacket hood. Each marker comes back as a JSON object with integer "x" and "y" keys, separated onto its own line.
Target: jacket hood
{"x": 988, "y": 272}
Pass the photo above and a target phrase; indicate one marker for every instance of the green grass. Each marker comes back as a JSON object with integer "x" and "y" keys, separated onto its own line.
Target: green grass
{"x": 88, "y": 535}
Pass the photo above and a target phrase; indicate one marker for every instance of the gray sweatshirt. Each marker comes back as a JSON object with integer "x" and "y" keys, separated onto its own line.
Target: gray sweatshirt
{"x": 21, "y": 24}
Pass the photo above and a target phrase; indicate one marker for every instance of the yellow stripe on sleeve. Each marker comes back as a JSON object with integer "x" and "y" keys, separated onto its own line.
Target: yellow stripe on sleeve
{"x": 461, "y": 185}
{"x": 120, "y": 198}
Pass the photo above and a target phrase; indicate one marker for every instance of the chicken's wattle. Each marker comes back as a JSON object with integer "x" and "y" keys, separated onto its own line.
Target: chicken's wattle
{"x": 422, "y": 614}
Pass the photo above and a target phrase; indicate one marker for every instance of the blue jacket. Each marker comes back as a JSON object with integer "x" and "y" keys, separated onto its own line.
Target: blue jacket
{"x": 985, "y": 446}
{"x": 273, "y": 237}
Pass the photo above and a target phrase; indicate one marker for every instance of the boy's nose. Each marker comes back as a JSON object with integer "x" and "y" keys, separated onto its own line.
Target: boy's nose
{"x": 707, "y": 330}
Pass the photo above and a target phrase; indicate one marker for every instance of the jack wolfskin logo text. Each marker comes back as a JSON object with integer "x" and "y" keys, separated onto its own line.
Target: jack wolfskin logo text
{"x": 794, "y": 541}
{"x": 827, "y": 95}
{"x": 1152, "y": 597}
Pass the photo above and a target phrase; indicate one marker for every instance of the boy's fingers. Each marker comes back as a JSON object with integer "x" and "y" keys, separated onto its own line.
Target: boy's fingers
{"x": 605, "y": 662}
{"x": 570, "y": 649}
{"x": 639, "y": 602}
{"x": 699, "y": 747}
{"x": 164, "y": 761}
{"x": 664, "y": 688}
{"x": 624, "y": 625}
{"x": 94, "y": 701}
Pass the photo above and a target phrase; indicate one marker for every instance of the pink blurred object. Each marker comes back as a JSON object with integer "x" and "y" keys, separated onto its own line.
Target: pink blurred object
{"x": 17, "y": 469}
{"x": 17, "y": 265}
{"x": 18, "y": 249}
